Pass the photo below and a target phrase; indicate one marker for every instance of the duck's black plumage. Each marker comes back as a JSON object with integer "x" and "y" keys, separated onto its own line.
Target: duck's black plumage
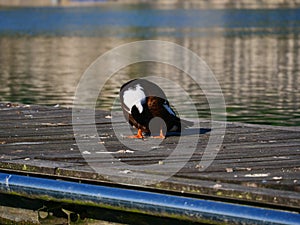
{"x": 141, "y": 101}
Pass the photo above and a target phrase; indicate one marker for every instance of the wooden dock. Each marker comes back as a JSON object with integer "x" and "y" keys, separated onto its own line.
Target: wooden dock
{"x": 257, "y": 165}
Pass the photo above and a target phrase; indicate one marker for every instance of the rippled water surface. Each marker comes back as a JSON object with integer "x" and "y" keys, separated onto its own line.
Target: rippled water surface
{"x": 254, "y": 54}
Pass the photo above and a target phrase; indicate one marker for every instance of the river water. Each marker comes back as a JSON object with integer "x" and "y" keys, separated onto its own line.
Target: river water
{"x": 253, "y": 53}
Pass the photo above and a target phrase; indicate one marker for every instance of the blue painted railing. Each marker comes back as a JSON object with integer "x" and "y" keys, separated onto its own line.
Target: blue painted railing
{"x": 157, "y": 204}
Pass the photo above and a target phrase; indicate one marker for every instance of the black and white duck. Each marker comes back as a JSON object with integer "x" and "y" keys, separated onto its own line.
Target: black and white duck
{"x": 145, "y": 106}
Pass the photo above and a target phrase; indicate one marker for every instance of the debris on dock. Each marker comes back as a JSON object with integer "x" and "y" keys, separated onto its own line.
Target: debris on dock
{"x": 256, "y": 164}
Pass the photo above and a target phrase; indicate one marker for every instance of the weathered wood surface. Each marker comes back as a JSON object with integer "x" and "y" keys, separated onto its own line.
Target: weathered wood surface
{"x": 256, "y": 164}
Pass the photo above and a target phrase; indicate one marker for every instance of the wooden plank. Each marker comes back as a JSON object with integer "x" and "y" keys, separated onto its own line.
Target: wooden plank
{"x": 257, "y": 164}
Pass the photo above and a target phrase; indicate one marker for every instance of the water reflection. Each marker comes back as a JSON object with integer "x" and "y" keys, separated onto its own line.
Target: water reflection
{"x": 253, "y": 53}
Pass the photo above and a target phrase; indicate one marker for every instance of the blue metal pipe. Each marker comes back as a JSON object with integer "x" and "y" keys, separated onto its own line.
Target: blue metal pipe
{"x": 150, "y": 203}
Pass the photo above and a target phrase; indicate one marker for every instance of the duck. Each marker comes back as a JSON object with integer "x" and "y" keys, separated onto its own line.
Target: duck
{"x": 145, "y": 107}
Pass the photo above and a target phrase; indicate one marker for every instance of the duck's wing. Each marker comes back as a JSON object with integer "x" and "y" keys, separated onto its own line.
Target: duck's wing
{"x": 174, "y": 123}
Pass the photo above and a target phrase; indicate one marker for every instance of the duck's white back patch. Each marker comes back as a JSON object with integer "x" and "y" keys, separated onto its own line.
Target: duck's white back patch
{"x": 134, "y": 96}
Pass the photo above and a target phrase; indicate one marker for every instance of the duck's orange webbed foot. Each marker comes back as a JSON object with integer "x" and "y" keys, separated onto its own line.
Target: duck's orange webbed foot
{"x": 161, "y": 135}
{"x": 139, "y": 135}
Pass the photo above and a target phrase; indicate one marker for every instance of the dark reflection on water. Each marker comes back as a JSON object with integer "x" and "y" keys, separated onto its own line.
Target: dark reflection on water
{"x": 253, "y": 53}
